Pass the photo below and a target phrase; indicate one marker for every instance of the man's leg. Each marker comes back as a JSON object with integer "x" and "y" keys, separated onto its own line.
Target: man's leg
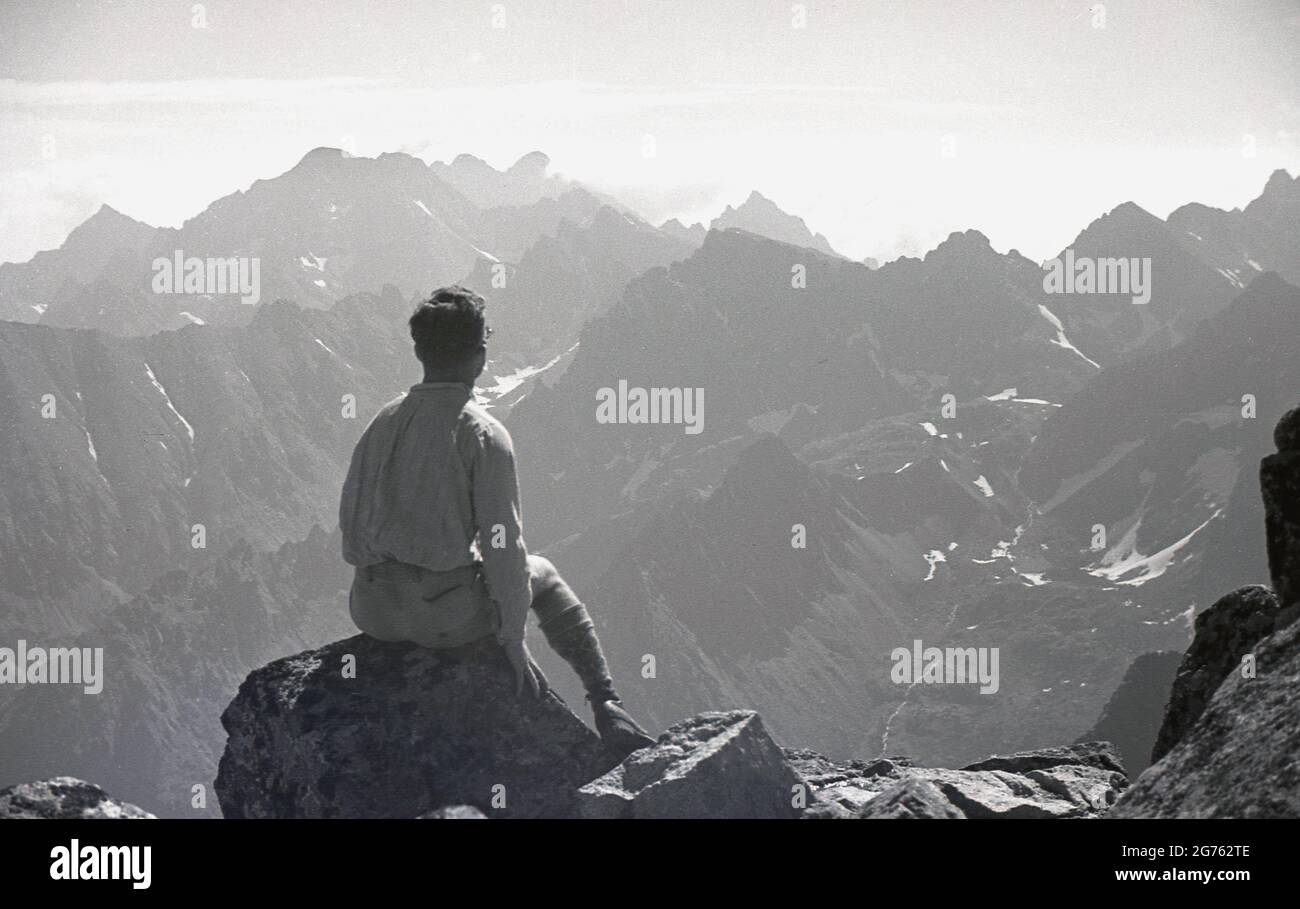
{"x": 569, "y": 630}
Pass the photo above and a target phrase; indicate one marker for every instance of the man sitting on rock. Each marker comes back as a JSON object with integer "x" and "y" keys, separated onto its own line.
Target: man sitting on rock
{"x": 431, "y": 519}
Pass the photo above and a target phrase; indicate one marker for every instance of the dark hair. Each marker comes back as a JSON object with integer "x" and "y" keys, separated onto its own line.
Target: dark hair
{"x": 450, "y": 326}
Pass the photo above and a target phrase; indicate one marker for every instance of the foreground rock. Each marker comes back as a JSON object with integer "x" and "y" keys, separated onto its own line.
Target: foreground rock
{"x": 842, "y": 788}
{"x": 1075, "y": 781}
{"x": 64, "y": 797}
{"x": 1224, "y": 633}
{"x": 409, "y": 731}
{"x": 1279, "y": 480}
{"x": 714, "y": 765}
{"x": 726, "y": 765}
{"x": 1239, "y": 760}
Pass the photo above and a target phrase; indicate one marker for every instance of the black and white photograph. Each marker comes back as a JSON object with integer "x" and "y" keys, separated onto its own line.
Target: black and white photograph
{"x": 644, "y": 425}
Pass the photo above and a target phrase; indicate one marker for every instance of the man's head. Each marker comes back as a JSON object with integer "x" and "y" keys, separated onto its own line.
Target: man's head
{"x": 450, "y": 335}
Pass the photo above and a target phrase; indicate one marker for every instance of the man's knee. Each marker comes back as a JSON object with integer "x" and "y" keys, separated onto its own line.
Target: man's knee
{"x": 542, "y": 572}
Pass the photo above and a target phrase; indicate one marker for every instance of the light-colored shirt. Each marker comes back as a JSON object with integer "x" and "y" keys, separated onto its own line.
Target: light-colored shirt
{"x": 432, "y": 482}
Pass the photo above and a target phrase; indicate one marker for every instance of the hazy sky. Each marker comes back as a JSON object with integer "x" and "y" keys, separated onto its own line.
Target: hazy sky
{"x": 885, "y": 125}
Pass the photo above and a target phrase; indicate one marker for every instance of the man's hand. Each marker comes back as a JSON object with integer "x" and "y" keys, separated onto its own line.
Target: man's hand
{"x": 526, "y": 672}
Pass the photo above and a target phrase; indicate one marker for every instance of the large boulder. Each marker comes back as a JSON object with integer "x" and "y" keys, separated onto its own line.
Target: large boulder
{"x": 62, "y": 798}
{"x": 1240, "y": 759}
{"x": 714, "y": 765}
{"x": 1224, "y": 634}
{"x": 363, "y": 728}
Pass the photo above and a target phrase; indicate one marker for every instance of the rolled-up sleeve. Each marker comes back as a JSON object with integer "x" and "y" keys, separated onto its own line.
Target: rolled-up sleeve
{"x": 499, "y": 522}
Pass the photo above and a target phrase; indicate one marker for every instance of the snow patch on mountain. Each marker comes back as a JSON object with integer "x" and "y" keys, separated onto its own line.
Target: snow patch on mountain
{"x": 1061, "y": 340}
{"x": 170, "y": 406}
{"x": 325, "y": 347}
{"x": 1124, "y": 557}
{"x": 1035, "y": 401}
{"x": 506, "y": 384}
{"x": 933, "y": 558}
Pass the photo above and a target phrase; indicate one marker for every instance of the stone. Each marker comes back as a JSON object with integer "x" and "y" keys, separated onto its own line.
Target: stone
{"x": 411, "y": 731}
{"x": 846, "y": 785}
{"x": 454, "y": 813}
{"x": 63, "y": 798}
{"x": 714, "y": 765}
{"x": 1224, "y": 633}
{"x": 1100, "y": 755}
{"x": 910, "y": 799}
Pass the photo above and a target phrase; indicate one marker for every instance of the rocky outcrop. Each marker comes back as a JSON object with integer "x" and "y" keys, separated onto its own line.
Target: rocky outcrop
{"x": 362, "y": 728}
{"x": 1132, "y": 717}
{"x": 712, "y": 765}
{"x": 1067, "y": 782}
{"x": 1063, "y": 791}
{"x": 1224, "y": 633}
{"x": 1279, "y": 480}
{"x": 1239, "y": 760}
{"x": 62, "y": 798}
{"x": 1098, "y": 755}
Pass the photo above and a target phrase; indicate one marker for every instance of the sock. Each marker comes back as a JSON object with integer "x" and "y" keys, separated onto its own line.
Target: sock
{"x": 569, "y": 630}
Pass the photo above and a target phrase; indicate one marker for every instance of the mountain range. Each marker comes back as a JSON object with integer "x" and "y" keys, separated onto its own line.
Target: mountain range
{"x": 947, "y": 433}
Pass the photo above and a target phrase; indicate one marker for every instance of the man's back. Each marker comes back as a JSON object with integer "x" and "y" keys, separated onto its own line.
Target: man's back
{"x": 432, "y": 471}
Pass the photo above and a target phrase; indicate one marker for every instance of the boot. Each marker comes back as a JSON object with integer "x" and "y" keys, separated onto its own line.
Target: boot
{"x": 617, "y": 729}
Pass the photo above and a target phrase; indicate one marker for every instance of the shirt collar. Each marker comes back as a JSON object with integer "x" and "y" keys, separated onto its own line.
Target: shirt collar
{"x": 433, "y": 386}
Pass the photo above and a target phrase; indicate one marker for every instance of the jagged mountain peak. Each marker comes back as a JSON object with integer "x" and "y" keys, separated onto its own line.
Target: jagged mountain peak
{"x": 323, "y": 156}
{"x": 465, "y": 159}
{"x": 961, "y": 243}
{"x": 535, "y": 163}
{"x": 1129, "y": 214}
{"x": 107, "y": 223}
{"x": 1281, "y": 182}
{"x": 760, "y": 215}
